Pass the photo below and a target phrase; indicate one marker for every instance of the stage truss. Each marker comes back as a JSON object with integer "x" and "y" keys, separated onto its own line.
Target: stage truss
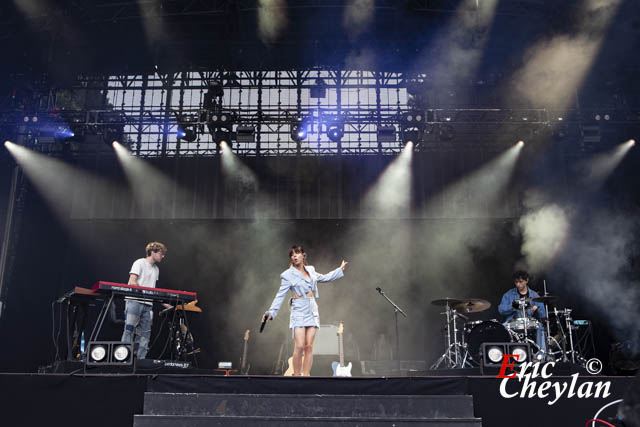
{"x": 151, "y": 112}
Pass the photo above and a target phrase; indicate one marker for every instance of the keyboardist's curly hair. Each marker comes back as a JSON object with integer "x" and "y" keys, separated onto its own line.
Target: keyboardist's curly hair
{"x": 155, "y": 247}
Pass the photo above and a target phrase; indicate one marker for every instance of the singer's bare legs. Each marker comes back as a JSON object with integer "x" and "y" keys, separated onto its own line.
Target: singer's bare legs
{"x": 303, "y": 344}
{"x": 298, "y": 349}
{"x": 310, "y": 336}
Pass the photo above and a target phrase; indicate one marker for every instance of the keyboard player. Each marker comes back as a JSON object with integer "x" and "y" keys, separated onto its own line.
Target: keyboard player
{"x": 139, "y": 312}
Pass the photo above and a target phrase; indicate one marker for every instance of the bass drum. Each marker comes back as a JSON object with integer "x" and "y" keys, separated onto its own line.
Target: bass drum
{"x": 487, "y": 331}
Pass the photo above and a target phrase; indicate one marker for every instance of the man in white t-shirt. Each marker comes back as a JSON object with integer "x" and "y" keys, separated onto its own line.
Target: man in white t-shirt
{"x": 139, "y": 313}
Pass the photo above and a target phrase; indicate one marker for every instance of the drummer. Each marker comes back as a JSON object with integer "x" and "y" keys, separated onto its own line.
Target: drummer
{"x": 521, "y": 295}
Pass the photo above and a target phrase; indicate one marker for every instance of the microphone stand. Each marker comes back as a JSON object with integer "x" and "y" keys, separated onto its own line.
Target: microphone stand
{"x": 396, "y": 310}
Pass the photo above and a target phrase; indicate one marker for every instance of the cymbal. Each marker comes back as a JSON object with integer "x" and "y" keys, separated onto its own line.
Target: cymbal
{"x": 446, "y": 301}
{"x": 547, "y": 298}
{"x": 472, "y": 305}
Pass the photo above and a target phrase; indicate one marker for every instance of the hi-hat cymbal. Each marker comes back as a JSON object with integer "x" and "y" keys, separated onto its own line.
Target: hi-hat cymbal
{"x": 547, "y": 298}
{"x": 472, "y": 305}
{"x": 446, "y": 301}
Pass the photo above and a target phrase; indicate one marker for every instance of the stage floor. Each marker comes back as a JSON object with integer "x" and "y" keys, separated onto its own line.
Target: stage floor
{"x": 113, "y": 399}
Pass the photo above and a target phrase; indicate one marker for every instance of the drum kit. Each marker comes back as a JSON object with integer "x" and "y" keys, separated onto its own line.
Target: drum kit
{"x": 464, "y": 337}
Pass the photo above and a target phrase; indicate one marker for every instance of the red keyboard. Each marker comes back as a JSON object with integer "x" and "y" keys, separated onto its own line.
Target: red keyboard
{"x": 157, "y": 294}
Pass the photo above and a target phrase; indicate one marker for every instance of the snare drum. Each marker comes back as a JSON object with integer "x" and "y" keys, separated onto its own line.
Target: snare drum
{"x": 522, "y": 324}
{"x": 485, "y": 331}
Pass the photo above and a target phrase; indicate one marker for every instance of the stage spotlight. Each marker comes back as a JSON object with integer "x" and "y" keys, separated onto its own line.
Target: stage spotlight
{"x": 520, "y": 143}
{"x": 335, "y": 132}
{"x": 97, "y": 353}
{"x": 521, "y": 353}
{"x": 386, "y": 133}
{"x": 221, "y": 119}
{"x": 495, "y": 354}
{"x": 298, "y": 131}
{"x": 33, "y": 119}
{"x": 121, "y": 353}
{"x": 222, "y": 135}
{"x": 632, "y": 142}
{"x": 188, "y": 134}
{"x": 412, "y": 118}
{"x": 110, "y": 134}
{"x": 102, "y": 353}
{"x": 63, "y": 133}
{"x": 245, "y": 134}
{"x": 413, "y": 135}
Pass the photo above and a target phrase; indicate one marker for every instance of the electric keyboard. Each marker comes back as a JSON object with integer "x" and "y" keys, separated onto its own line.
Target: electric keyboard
{"x": 143, "y": 292}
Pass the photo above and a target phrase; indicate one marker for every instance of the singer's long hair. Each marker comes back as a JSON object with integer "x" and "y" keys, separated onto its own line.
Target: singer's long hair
{"x": 297, "y": 249}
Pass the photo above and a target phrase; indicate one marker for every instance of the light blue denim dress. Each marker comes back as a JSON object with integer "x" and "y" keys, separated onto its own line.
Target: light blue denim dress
{"x": 304, "y": 311}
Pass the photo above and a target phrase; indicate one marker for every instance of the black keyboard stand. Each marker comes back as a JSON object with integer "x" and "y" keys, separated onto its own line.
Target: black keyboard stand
{"x": 95, "y": 333}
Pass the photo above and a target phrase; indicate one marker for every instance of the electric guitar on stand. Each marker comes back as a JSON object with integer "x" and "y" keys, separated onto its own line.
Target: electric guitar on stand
{"x": 339, "y": 370}
{"x": 278, "y": 367}
{"x": 244, "y": 366}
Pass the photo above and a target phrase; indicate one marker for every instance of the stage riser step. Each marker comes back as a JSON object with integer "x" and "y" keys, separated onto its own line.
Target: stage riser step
{"x": 274, "y": 405}
{"x": 199, "y": 421}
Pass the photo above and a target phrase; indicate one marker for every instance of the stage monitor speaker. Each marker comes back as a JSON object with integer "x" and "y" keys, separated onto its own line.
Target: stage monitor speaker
{"x": 326, "y": 342}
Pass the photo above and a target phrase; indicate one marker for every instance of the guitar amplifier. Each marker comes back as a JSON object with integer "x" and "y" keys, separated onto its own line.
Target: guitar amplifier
{"x": 326, "y": 342}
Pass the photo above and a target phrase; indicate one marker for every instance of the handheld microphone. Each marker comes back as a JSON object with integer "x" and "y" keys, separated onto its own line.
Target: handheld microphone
{"x": 264, "y": 323}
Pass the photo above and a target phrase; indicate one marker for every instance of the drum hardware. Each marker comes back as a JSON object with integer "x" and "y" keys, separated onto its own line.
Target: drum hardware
{"x": 546, "y": 299}
{"x": 524, "y": 330}
{"x": 560, "y": 338}
{"x": 568, "y": 323}
{"x": 456, "y": 354}
{"x": 564, "y": 340}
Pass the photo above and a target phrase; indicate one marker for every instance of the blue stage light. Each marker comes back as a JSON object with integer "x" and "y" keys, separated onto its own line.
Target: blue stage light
{"x": 335, "y": 132}
{"x": 62, "y": 132}
{"x": 298, "y": 130}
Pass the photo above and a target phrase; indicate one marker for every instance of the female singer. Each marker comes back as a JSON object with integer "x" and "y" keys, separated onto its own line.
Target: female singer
{"x": 302, "y": 279}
